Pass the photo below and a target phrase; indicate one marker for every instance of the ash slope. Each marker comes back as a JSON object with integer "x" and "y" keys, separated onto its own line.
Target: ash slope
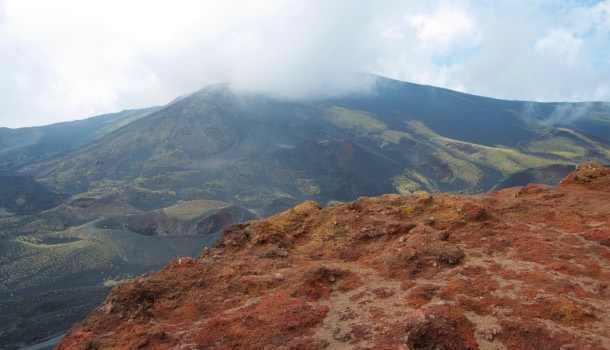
{"x": 52, "y": 275}
{"x": 22, "y": 146}
{"x": 520, "y": 268}
{"x": 110, "y": 248}
{"x": 267, "y": 155}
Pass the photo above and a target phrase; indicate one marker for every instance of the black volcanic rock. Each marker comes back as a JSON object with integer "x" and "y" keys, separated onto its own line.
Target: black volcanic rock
{"x": 548, "y": 175}
{"x": 341, "y": 169}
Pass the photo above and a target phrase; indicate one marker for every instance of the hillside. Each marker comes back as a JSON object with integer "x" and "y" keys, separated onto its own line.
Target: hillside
{"x": 23, "y": 195}
{"x": 22, "y": 146}
{"x": 521, "y": 268}
{"x": 57, "y": 265}
{"x": 267, "y": 155}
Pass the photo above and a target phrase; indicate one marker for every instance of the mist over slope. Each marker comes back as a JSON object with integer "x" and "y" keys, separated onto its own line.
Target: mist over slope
{"x": 260, "y": 152}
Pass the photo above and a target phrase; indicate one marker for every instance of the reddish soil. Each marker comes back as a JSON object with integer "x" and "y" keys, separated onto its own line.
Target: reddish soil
{"x": 521, "y": 268}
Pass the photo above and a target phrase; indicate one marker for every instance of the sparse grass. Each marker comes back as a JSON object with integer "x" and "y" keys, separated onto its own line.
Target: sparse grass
{"x": 576, "y": 146}
{"x": 307, "y": 187}
{"x": 119, "y": 190}
{"x": 123, "y": 123}
{"x": 120, "y": 278}
{"x": 359, "y": 123}
{"x": 30, "y": 263}
{"x": 389, "y": 137}
{"x": 410, "y": 181}
{"x": 36, "y": 264}
{"x": 161, "y": 161}
{"x": 365, "y": 125}
{"x": 505, "y": 160}
{"x": 405, "y": 185}
{"x": 558, "y": 145}
{"x": 599, "y": 117}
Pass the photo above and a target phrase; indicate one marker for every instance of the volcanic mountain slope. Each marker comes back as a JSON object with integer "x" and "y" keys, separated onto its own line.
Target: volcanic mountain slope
{"x": 109, "y": 248}
{"x": 27, "y": 145}
{"x": 520, "y": 268}
{"x": 267, "y": 155}
{"x": 254, "y": 154}
{"x": 23, "y": 195}
{"x": 57, "y": 265}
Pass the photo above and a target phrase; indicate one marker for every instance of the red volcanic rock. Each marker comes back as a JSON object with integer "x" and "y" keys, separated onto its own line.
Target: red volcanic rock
{"x": 521, "y": 268}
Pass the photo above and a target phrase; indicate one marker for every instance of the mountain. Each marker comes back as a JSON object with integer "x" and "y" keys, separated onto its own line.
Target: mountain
{"x": 26, "y": 145}
{"x": 100, "y": 200}
{"x": 267, "y": 155}
{"x": 520, "y": 268}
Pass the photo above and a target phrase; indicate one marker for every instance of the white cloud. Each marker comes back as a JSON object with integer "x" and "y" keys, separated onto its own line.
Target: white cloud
{"x": 70, "y": 59}
{"x": 448, "y": 24}
{"x": 542, "y": 50}
{"x": 560, "y": 45}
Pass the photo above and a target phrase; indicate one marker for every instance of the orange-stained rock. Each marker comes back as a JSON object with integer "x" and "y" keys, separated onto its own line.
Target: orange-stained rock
{"x": 521, "y": 268}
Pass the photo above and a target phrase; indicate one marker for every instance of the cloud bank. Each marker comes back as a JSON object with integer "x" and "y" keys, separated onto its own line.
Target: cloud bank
{"x": 71, "y": 59}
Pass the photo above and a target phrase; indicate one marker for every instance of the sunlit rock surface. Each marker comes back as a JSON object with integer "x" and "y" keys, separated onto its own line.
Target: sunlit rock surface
{"x": 521, "y": 268}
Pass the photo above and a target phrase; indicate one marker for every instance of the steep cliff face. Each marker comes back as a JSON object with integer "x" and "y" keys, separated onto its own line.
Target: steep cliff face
{"x": 520, "y": 268}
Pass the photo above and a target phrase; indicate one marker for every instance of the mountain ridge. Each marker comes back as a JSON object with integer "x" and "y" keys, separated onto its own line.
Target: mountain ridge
{"x": 21, "y": 146}
{"x": 221, "y": 137}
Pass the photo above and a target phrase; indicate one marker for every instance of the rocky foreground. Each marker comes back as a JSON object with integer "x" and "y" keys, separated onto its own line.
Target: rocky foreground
{"x": 521, "y": 268}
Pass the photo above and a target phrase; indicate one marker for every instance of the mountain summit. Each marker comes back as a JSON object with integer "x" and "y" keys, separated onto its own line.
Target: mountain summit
{"x": 521, "y": 268}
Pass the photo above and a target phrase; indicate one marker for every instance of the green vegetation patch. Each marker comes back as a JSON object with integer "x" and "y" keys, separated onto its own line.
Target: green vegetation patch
{"x": 120, "y": 278}
{"x": 410, "y": 181}
{"x": 359, "y": 123}
{"x": 393, "y": 137}
{"x": 569, "y": 144}
{"x": 365, "y": 125}
{"x": 307, "y": 187}
{"x": 505, "y": 160}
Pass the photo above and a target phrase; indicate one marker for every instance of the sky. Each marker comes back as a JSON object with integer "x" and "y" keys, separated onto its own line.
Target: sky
{"x": 63, "y": 60}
